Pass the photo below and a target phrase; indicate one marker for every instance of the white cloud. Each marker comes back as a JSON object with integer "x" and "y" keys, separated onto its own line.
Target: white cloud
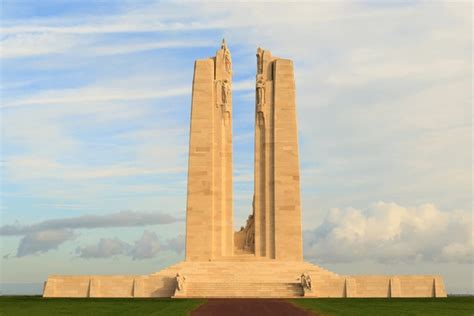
{"x": 83, "y": 35}
{"x": 119, "y": 219}
{"x": 361, "y": 73}
{"x": 40, "y": 44}
{"x": 23, "y": 168}
{"x": 105, "y": 248}
{"x": 175, "y": 244}
{"x": 138, "y": 47}
{"x": 147, "y": 247}
{"x": 22, "y": 45}
{"x": 95, "y": 95}
{"x": 43, "y": 241}
{"x": 243, "y": 85}
{"x": 124, "y": 23}
{"x": 124, "y": 90}
{"x": 50, "y": 234}
{"x": 388, "y": 232}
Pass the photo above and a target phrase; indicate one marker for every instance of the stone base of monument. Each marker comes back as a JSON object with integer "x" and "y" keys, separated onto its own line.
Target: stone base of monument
{"x": 310, "y": 294}
{"x": 230, "y": 279}
{"x": 179, "y": 294}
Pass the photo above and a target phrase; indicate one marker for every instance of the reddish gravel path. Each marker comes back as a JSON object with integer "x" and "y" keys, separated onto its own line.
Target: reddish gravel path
{"x": 249, "y": 307}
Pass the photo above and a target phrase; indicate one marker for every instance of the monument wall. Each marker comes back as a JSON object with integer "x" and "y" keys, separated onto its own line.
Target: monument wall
{"x": 270, "y": 278}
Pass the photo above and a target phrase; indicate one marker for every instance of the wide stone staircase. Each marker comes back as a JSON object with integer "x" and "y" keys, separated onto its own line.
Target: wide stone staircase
{"x": 269, "y": 278}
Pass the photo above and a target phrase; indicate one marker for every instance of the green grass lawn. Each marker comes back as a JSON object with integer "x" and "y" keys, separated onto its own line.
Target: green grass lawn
{"x": 452, "y": 306}
{"x": 36, "y": 306}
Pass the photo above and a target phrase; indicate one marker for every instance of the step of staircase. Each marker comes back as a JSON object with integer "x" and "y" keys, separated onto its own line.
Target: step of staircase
{"x": 243, "y": 289}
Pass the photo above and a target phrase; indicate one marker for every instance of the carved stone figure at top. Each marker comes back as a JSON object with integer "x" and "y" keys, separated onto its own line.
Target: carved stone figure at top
{"x": 227, "y": 60}
{"x": 259, "y": 61}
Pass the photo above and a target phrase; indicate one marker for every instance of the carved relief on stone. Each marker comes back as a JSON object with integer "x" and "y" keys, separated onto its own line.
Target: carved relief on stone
{"x": 250, "y": 230}
{"x": 180, "y": 282}
{"x": 259, "y": 61}
{"x": 227, "y": 60}
{"x": 249, "y": 234}
{"x": 260, "y": 92}
{"x": 225, "y": 93}
{"x": 305, "y": 280}
{"x": 223, "y": 98}
{"x": 244, "y": 239}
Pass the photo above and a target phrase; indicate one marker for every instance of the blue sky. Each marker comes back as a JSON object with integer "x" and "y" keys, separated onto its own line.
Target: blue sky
{"x": 95, "y": 106}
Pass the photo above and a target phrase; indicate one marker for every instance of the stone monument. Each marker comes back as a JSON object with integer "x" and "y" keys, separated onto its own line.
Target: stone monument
{"x": 209, "y": 215}
{"x": 276, "y": 167}
{"x": 265, "y": 257}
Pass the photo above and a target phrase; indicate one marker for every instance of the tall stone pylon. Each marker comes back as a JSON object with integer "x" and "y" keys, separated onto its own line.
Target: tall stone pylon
{"x": 209, "y": 211}
{"x": 277, "y": 206}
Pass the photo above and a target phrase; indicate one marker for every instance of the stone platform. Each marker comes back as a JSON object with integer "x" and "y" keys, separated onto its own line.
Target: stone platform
{"x": 244, "y": 279}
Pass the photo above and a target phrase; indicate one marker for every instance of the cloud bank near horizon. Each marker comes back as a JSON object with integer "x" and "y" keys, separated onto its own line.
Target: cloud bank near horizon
{"x": 389, "y": 233}
{"x": 384, "y": 232}
{"x": 147, "y": 247}
{"x": 119, "y": 219}
{"x": 50, "y": 234}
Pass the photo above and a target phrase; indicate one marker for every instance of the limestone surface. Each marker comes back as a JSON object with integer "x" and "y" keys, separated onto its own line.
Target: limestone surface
{"x": 209, "y": 212}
